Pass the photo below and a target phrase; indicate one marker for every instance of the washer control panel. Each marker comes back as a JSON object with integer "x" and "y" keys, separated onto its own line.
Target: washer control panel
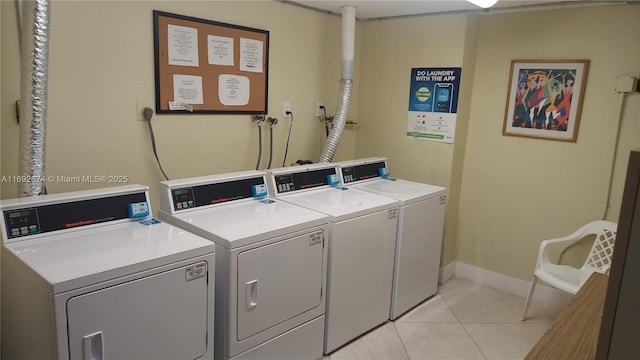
{"x": 364, "y": 171}
{"x": 305, "y": 180}
{"x": 190, "y": 197}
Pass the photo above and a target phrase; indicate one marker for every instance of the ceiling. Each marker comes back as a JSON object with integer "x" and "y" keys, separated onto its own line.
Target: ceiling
{"x": 367, "y": 10}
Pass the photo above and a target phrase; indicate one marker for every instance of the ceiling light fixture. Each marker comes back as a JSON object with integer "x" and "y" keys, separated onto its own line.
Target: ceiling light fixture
{"x": 483, "y": 3}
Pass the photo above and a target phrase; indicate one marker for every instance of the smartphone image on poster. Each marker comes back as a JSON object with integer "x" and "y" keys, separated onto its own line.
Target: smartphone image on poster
{"x": 443, "y": 97}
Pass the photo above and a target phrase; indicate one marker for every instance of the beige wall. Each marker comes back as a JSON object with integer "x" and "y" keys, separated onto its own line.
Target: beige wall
{"x": 102, "y": 66}
{"x": 517, "y": 191}
{"x": 389, "y": 50}
{"x": 0, "y": 148}
{"x": 505, "y": 193}
{"x": 460, "y": 145}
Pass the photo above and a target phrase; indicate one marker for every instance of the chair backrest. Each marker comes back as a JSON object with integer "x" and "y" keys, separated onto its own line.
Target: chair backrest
{"x": 599, "y": 258}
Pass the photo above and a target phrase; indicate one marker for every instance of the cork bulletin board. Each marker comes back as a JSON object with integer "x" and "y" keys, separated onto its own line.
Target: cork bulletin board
{"x": 208, "y": 67}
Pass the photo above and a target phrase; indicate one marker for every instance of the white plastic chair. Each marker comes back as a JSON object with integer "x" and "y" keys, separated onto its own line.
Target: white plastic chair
{"x": 568, "y": 278}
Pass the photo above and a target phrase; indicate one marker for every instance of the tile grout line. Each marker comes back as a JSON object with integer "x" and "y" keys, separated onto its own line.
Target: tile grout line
{"x": 400, "y": 338}
{"x": 456, "y": 320}
{"x": 465, "y": 329}
{"x": 511, "y": 308}
{"x": 474, "y": 341}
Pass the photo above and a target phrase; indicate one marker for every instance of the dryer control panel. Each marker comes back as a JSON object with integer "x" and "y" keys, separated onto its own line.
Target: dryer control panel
{"x": 38, "y": 219}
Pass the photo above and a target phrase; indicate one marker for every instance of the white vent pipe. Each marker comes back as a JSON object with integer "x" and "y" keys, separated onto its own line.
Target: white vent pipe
{"x": 33, "y": 95}
{"x": 346, "y": 83}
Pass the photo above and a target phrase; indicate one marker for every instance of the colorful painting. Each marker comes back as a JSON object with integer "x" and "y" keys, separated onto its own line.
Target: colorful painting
{"x": 545, "y": 98}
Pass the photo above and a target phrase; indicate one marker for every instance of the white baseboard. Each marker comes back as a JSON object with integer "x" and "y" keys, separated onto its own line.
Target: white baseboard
{"x": 446, "y": 273}
{"x": 543, "y": 294}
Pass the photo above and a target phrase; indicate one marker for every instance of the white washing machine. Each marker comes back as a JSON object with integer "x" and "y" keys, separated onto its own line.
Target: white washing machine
{"x": 271, "y": 263}
{"x": 362, "y": 236}
{"x": 420, "y": 229}
{"x": 91, "y": 275}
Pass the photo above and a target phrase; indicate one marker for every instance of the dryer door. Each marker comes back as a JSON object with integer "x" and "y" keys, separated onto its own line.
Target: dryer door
{"x": 162, "y": 316}
{"x": 279, "y": 281}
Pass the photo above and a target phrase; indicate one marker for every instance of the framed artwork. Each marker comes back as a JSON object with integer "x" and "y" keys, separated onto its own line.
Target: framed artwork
{"x": 545, "y": 98}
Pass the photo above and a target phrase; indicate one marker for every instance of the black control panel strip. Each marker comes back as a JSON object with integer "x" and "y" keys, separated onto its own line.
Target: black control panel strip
{"x": 47, "y": 218}
{"x": 202, "y": 195}
{"x": 362, "y": 172}
{"x": 303, "y": 180}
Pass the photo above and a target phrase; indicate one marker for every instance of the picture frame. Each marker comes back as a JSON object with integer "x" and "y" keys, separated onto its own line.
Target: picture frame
{"x": 545, "y": 98}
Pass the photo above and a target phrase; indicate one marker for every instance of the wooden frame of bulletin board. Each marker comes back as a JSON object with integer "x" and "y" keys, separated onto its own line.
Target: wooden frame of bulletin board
{"x": 208, "y": 67}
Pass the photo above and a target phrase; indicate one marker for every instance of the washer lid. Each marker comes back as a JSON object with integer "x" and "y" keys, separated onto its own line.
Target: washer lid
{"x": 403, "y": 190}
{"x": 242, "y": 223}
{"x": 341, "y": 203}
{"x": 78, "y": 259}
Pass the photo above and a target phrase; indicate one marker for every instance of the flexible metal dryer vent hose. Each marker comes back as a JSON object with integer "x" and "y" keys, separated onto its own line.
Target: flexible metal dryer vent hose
{"x": 346, "y": 83}
{"x": 33, "y": 97}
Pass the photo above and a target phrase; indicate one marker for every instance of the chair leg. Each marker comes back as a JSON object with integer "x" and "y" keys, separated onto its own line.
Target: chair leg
{"x": 534, "y": 281}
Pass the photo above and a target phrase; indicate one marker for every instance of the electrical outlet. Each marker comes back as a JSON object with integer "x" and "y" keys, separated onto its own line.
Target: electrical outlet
{"x": 286, "y": 110}
{"x": 319, "y": 108}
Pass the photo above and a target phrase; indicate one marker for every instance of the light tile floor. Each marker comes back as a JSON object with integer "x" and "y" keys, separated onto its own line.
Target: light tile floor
{"x": 463, "y": 321}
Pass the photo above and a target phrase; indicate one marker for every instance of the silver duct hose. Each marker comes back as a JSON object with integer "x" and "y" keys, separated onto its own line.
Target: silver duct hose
{"x": 346, "y": 83}
{"x": 33, "y": 97}
{"x": 339, "y": 121}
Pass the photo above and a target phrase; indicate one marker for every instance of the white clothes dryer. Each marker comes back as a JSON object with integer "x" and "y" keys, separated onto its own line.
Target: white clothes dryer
{"x": 91, "y": 275}
{"x": 271, "y": 263}
{"x": 362, "y": 235}
{"x": 420, "y": 229}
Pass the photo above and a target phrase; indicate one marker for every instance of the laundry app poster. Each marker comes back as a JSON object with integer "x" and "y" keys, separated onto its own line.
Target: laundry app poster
{"x": 433, "y": 103}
